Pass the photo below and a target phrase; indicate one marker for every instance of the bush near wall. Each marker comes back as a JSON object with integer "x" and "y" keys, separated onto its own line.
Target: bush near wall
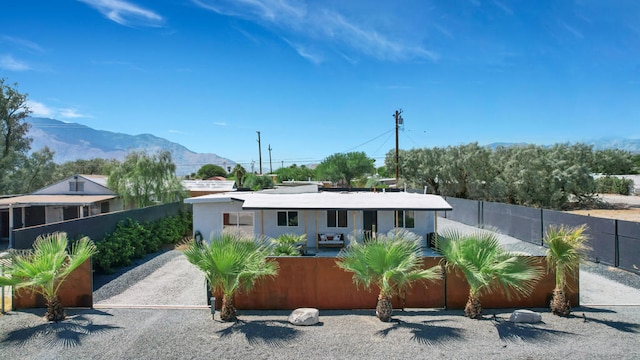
{"x": 133, "y": 240}
{"x": 613, "y": 185}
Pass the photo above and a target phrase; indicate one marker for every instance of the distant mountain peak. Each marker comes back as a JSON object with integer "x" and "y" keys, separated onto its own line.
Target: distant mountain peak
{"x": 72, "y": 141}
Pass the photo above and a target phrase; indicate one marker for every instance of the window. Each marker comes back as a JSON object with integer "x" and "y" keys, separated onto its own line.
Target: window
{"x": 240, "y": 221}
{"x": 287, "y": 218}
{"x": 104, "y": 207}
{"x": 76, "y": 186}
{"x": 406, "y": 219}
{"x": 336, "y": 218}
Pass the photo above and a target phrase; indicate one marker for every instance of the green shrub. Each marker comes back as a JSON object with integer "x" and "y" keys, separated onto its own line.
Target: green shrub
{"x": 613, "y": 185}
{"x": 132, "y": 240}
{"x": 285, "y": 245}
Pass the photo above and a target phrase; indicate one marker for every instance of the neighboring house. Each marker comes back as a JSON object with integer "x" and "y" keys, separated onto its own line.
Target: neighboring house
{"x": 75, "y": 197}
{"x": 205, "y": 187}
{"x": 317, "y": 214}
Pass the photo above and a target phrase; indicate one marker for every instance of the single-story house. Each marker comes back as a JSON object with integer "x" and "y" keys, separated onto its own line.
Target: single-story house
{"x": 75, "y": 197}
{"x": 326, "y": 218}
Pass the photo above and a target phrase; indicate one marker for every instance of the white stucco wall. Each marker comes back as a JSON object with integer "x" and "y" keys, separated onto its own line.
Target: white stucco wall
{"x": 207, "y": 217}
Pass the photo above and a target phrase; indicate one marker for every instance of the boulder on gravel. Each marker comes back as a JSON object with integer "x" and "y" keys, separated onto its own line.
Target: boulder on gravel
{"x": 304, "y": 316}
{"x": 525, "y": 316}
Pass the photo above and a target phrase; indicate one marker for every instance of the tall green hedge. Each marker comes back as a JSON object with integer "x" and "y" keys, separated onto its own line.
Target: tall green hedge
{"x": 133, "y": 240}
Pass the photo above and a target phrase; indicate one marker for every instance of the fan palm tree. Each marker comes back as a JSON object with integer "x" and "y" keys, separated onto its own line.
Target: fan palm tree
{"x": 487, "y": 267}
{"x": 391, "y": 263}
{"x": 44, "y": 269}
{"x": 230, "y": 263}
{"x": 566, "y": 250}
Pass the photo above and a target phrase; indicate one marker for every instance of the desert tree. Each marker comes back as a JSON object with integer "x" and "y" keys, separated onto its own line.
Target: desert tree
{"x": 14, "y": 142}
{"x": 341, "y": 168}
{"x": 145, "y": 179}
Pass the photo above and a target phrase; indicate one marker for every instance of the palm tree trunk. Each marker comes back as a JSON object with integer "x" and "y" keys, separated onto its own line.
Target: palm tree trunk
{"x": 473, "y": 309}
{"x": 55, "y": 310}
{"x": 227, "y": 311}
{"x": 384, "y": 309}
{"x": 559, "y": 303}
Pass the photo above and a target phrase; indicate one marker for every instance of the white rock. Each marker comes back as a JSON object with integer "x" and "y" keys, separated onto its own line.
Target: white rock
{"x": 304, "y": 316}
{"x": 525, "y": 316}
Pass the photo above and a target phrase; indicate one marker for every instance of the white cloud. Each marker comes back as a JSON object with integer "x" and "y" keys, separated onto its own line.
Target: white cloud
{"x": 8, "y": 62}
{"x": 126, "y": 13}
{"x": 42, "y": 110}
{"x": 39, "y": 109}
{"x": 22, "y": 43}
{"x": 71, "y": 113}
{"x": 176, "y": 132}
{"x": 309, "y": 27}
{"x": 220, "y": 123}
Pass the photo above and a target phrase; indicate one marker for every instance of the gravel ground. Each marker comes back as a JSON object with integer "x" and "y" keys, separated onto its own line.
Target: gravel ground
{"x": 610, "y": 332}
{"x": 167, "y": 279}
{"x": 113, "y": 331}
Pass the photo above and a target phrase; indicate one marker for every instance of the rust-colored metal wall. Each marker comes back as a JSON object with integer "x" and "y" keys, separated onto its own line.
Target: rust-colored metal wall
{"x": 318, "y": 282}
{"x": 458, "y": 292}
{"x": 76, "y": 291}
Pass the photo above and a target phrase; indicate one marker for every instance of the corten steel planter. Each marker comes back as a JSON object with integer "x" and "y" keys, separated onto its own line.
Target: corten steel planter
{"x": 76, "y": 291}
{"x": 317, "y": 282}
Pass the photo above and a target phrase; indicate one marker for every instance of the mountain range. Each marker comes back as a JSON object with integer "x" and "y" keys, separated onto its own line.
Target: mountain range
{"x": 72, "y": 141}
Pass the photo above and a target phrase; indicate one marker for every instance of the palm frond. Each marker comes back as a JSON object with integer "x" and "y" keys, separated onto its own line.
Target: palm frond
{"x": 486, "y": 266}
{"x": 44, "y": 269}
{"x": 232, "y": 262}
{"x": 391, "y": 263}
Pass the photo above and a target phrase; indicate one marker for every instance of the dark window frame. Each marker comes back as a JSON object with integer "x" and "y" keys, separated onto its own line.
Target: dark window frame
{"x": 337, "y": 219}
{"x": 287, "y": 218}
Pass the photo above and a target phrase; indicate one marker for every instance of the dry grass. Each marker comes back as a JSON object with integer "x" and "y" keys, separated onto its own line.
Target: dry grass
{"x": 630, "y": 214}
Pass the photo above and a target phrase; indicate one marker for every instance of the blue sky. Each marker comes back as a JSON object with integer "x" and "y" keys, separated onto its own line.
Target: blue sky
{"x": 320, "y": 77}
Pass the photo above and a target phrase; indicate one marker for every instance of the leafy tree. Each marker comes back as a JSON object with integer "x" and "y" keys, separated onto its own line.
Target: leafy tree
{"x": 487, "y": 267}
{"x": 36, "y": 172}
{"x": 231, "y": 263}
{"x": 612, "y": 162}
{"x": 210, "y": 170}
{"x": 341, "y": 168}
{"x": 382, "y": 171}
{"x": 146, "y": 179}
{"x": 14, "y": 143}
{"x": 391, "y": 263}
{"x": 566, "y": 249}
{"x": 45, "y": 269}
{"x": 96, "y": 166}
{"x": 636, "y": 164}
{"x": 258, "y": 182}
{"x": 294, "y": 173}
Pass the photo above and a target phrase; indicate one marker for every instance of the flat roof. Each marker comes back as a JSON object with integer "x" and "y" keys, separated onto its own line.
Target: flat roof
{"x": 44, "y": 200}
{"x": 331, "y": 201}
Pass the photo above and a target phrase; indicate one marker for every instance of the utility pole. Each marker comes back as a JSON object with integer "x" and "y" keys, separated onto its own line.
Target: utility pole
{"x": 270, "y": 164}
{"x": 259, "y": 152}
{"x": 399, "y": 120}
